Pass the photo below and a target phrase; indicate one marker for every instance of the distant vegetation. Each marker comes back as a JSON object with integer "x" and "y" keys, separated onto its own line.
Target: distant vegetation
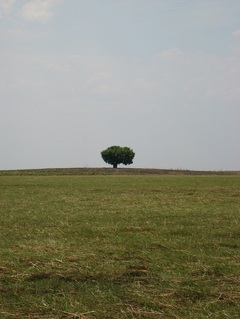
{"x": 119, "y": 246}
{"x": 111, "y": 171}
{"x": 116, "y": 155}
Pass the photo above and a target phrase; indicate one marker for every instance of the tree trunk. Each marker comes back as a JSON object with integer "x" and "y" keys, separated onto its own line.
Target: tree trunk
{"x": 115, "y": 165}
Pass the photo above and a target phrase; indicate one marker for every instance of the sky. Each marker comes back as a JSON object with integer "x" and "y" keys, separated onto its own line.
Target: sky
{"x": 159, "y": 76}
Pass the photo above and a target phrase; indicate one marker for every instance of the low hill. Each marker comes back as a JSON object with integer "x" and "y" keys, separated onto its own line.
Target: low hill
{"x": 110, "y": 171}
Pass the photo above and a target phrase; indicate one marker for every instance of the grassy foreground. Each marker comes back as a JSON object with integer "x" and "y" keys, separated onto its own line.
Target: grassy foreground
{"x": 119, "y": 246}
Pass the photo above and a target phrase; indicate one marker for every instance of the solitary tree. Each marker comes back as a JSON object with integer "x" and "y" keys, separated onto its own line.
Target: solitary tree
{"x": 115, "y": 155}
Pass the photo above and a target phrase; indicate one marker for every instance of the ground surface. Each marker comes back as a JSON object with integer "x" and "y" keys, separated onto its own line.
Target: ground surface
{"x": 111, "y": 171}
{"x": 80, "y": 244}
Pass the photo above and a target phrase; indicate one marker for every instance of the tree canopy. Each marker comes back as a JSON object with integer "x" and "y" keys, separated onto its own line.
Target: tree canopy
{"x": 115, "y": 155}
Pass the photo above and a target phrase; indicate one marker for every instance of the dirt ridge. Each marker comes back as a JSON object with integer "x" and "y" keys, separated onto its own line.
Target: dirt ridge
{"x": 111, "y": 171}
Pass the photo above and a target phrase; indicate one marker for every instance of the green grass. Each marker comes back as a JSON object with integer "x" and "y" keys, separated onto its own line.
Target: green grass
{"x": 119, "y": 246}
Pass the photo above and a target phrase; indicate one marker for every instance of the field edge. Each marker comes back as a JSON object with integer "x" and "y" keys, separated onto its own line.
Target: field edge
{"x": 109, "y": 171}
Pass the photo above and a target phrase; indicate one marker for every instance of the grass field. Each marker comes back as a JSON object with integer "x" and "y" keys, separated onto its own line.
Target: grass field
{"x": 119, "y": 246}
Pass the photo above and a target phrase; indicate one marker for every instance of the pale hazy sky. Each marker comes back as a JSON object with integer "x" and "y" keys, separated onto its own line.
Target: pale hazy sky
{"x": 159, "y": 76}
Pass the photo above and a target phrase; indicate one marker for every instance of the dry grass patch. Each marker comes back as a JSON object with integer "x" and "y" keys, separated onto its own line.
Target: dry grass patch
{"x": 119, "y": 247}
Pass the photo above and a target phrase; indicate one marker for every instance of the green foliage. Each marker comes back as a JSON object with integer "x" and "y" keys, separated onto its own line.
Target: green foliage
{"x": 115, "y": 155}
